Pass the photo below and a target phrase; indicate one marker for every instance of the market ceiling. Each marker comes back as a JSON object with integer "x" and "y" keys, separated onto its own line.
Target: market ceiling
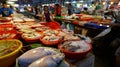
{"x": 3, "y": 1}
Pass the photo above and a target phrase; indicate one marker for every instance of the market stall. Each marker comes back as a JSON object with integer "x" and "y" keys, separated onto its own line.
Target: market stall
{"x": 84, "y": 24}
{"x": 60, "y": 46}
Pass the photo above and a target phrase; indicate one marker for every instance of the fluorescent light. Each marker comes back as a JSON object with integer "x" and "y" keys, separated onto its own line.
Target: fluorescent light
{"x": 74, "y": 2}
{"x": 28, "y": 5}
{"x": 12, "y": 0}
{"x": 85, "y": 5}
{"x": 119, "y": 3}
{"x": 45, "y": 5}
{"x": 108, "y": 25}
{"x": 16, "y": 5}
{"x": 111, "y": 2}
{"x": 9, "y": 2}
{"x": 78, "y": 5}
{"x": 67, "y": 2}
{"x": 101, "y": 25}
{"x": 103, "y": 3}
{"x": 81, "y": 1}
{"x": 25, "y": 5}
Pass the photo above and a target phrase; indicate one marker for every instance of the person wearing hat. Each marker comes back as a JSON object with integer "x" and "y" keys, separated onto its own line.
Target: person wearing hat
{"x": 5, "y": 11}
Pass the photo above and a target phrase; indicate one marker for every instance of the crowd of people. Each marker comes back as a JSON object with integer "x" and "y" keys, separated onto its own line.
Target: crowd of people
{"x": 59, "y": 10}
{"x": 48, "y": 13}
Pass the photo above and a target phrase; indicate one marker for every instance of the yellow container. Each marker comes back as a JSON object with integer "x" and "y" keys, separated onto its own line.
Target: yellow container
{"x": 10, "y": 58}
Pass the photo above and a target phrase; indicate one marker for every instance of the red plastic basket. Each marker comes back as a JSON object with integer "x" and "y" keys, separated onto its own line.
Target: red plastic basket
{"x": 85, "y": 19}
{"x": 13, "y": 34}
{"x": 6, "y": 26}
{"x": 31, "y": 40}
{"x": 80, "y": 14}
{"x": 52, "y": 25}
{"x": 75, "y": 55}
{"x": 75, "y": 22}
{"x": 50, "y": 43}
{"x": 5, "y": 20}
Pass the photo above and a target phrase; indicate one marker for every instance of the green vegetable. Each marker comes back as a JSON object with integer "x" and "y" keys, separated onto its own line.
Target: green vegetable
{"x": 35, "y": 45}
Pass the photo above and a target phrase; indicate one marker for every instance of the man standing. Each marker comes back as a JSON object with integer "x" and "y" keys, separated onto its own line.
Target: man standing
{"x": 5, "y": 11}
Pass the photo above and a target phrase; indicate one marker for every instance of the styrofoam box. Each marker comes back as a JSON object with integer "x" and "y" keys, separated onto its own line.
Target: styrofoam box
{"x": 88, "y": 61}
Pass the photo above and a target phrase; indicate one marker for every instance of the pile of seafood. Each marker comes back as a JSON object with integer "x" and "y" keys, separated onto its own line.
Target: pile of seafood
{"x": 41, "y": 57}
{"x": 7, "y": 47}
{"x": 75, "y": 46}
{"x": 7, "y": 31}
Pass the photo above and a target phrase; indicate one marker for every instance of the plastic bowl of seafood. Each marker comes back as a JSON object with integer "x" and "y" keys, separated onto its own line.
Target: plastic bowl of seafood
{"x": 31, "y": 37}
{"x": 75, "y": 49}
{"x": 12, "y": 34}
{"x": 51, "y": 40}
{"x": 5, "y": 19}
{"x": 41, "y": 29}
{"x": 9, "y": 51}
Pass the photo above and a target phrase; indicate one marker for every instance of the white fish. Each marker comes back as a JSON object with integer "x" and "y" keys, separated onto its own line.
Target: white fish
{"x": 35, "y": 54}
{"x": 48, "y": 61}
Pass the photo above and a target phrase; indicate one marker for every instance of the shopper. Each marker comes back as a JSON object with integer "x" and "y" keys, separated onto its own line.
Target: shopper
{"x": 57, "y": 10}
{"x": 37, "y": 13}
{"x": 70, "y": 9}
{"x": 12, "y": 7}
{"x": 98, "y": 9}
{"x": 85, "y": 11}
{"x": 5, "y": 11}
{"x": 46, "y": 15}
{"x": 36, "y": 10}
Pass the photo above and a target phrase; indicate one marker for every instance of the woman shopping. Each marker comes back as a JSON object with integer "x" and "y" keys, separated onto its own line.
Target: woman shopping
{"x": 46, "y": 15}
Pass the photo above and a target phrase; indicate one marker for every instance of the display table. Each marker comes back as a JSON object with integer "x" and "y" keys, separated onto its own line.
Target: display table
{"x": 87, "y": 28}
{"x": 87, "y": 61}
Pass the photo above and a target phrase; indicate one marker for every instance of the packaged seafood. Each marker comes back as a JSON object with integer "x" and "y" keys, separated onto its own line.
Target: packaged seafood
{"x": 33, "y": 55}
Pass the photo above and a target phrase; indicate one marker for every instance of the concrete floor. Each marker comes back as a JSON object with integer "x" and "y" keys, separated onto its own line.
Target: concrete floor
{"x": 104, "y": 62}
{"x": 104, "y": 59}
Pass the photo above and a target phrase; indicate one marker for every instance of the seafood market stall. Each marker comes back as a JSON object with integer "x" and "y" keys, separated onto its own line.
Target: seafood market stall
{"x": 88, "y": 25}
{"x": 30, "y": 43}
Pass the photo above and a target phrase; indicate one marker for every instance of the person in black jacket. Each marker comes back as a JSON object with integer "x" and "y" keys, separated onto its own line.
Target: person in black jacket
{"x": 102, "y": 44}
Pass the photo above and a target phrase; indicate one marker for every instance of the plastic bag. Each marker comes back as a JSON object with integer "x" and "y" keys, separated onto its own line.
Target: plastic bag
{"x": 63, "y": 26}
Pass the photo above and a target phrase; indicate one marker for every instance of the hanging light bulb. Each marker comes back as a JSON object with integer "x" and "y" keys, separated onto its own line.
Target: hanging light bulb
{"x": 103, "y": 3}
{"x": 67, "y": 2}
{"x": 119, "y": 3}
{"x": 74, "y": 2}
{"x": 111, "y": 3}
